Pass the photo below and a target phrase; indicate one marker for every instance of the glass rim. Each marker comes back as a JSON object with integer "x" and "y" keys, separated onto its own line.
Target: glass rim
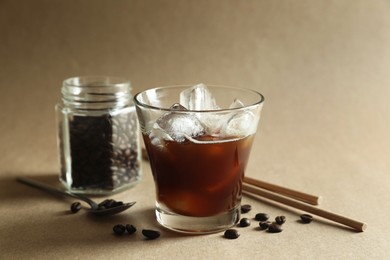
{"x": 259, "y": 102}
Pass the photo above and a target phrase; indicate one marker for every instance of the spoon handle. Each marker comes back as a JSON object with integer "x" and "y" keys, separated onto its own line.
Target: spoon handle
{"x": 45, "y": 187}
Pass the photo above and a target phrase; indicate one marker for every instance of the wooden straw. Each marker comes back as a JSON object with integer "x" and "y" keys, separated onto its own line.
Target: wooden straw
{"x": 308, "y": 198}
{"x": 360, "y": 226}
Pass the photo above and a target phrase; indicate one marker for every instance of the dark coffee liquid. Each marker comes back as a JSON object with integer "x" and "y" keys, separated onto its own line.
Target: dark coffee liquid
{"x": 199, "y": 179}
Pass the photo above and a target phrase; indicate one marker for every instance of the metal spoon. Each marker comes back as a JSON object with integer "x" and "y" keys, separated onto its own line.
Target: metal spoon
{"x": 94, "y": 206}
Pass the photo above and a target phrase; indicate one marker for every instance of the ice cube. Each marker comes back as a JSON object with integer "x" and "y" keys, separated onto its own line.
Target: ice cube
{"x": 198, "y": 97}
{"x": 158, "y": 136}
{"x": 236, "y": 104}
{"x": 178, "y": 126}
{"x": 241, "y": 124}
{"x": 214, "y": 122}
{"x": 178, "y": 107}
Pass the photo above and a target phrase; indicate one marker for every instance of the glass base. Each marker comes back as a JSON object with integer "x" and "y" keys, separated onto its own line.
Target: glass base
{"x": 197, "y": 225}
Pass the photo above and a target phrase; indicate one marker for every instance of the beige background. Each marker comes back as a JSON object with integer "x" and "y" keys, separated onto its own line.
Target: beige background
{"x": 323, "y": 67}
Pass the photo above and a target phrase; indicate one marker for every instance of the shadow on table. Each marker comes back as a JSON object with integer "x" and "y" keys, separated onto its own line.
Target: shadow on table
{"x": 11, "y": 189}
{"x": 15, "y": 192}
{"x": 49, "y": 226}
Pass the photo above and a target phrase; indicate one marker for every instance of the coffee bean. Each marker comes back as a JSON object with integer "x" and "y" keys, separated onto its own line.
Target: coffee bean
{"x": 231, "y": 234}
{"x": 116, "y": 204}
{"x": 264, "y": 224}
{"x": 75, "y": 207}
{"x": 130, "y": 229}
{"x": 306, "y": 218}
{"x": 107, "y": 203}
{"x": 104, "y": 152}
{"x": 280, "y": 220}
{"x": 262, "y": 216}
{"x": 275, "y": 228}
{"x": 150, "y": 234}
{"x": 246, "y": 208}
{"x": 119, "y": 229}
{"x": 245, "y": 222}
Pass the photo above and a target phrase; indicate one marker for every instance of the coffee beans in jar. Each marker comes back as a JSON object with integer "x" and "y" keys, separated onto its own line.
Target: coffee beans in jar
{"x": 99, "y": 138}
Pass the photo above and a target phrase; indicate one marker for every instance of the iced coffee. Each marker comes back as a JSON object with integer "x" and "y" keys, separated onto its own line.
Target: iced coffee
{"x": 198, "y": 140}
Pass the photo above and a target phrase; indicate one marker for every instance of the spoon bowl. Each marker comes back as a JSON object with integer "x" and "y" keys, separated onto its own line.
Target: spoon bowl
{"x": 95, "y": 208}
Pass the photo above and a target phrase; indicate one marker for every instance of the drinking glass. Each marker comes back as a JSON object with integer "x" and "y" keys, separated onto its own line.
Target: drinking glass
{"x": 198, "y": 143}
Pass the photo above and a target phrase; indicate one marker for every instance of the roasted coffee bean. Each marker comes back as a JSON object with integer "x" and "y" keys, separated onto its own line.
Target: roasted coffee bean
{"x": 100, "y": 207}
{"x": 306, "y": 218}
{"x": 245, "y": 222}
{"x": 150, "y": 234}
{"x": 104, "y": 152}
{"x": 275, "y": 228}
{"x": 116, "y": 204}
{"x": 262, "y": 216}
{"x": 130, "y": 229}
{"x": 107, "y": 203}
{"x": 119, "y": 229}
{"x": 75, "y": 207}
{"x": 246, "y": 208}
{"x": 280, "y": 220}
{"x": 231, "y": 234}
{"x": 264, "y": 224}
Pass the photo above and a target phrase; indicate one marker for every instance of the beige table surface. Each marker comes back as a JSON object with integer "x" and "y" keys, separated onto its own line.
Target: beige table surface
{"x": 323, "y": 66}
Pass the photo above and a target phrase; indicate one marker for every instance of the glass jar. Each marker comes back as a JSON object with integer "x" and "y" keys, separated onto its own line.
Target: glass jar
{"x": 98, "y": 135}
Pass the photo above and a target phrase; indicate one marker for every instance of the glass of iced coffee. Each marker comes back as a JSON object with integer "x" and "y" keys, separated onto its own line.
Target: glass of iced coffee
{"x": 198, "y": 140}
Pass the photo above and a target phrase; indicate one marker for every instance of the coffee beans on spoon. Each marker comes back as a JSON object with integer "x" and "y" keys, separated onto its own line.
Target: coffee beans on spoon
{"x": 109, "y": 203}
